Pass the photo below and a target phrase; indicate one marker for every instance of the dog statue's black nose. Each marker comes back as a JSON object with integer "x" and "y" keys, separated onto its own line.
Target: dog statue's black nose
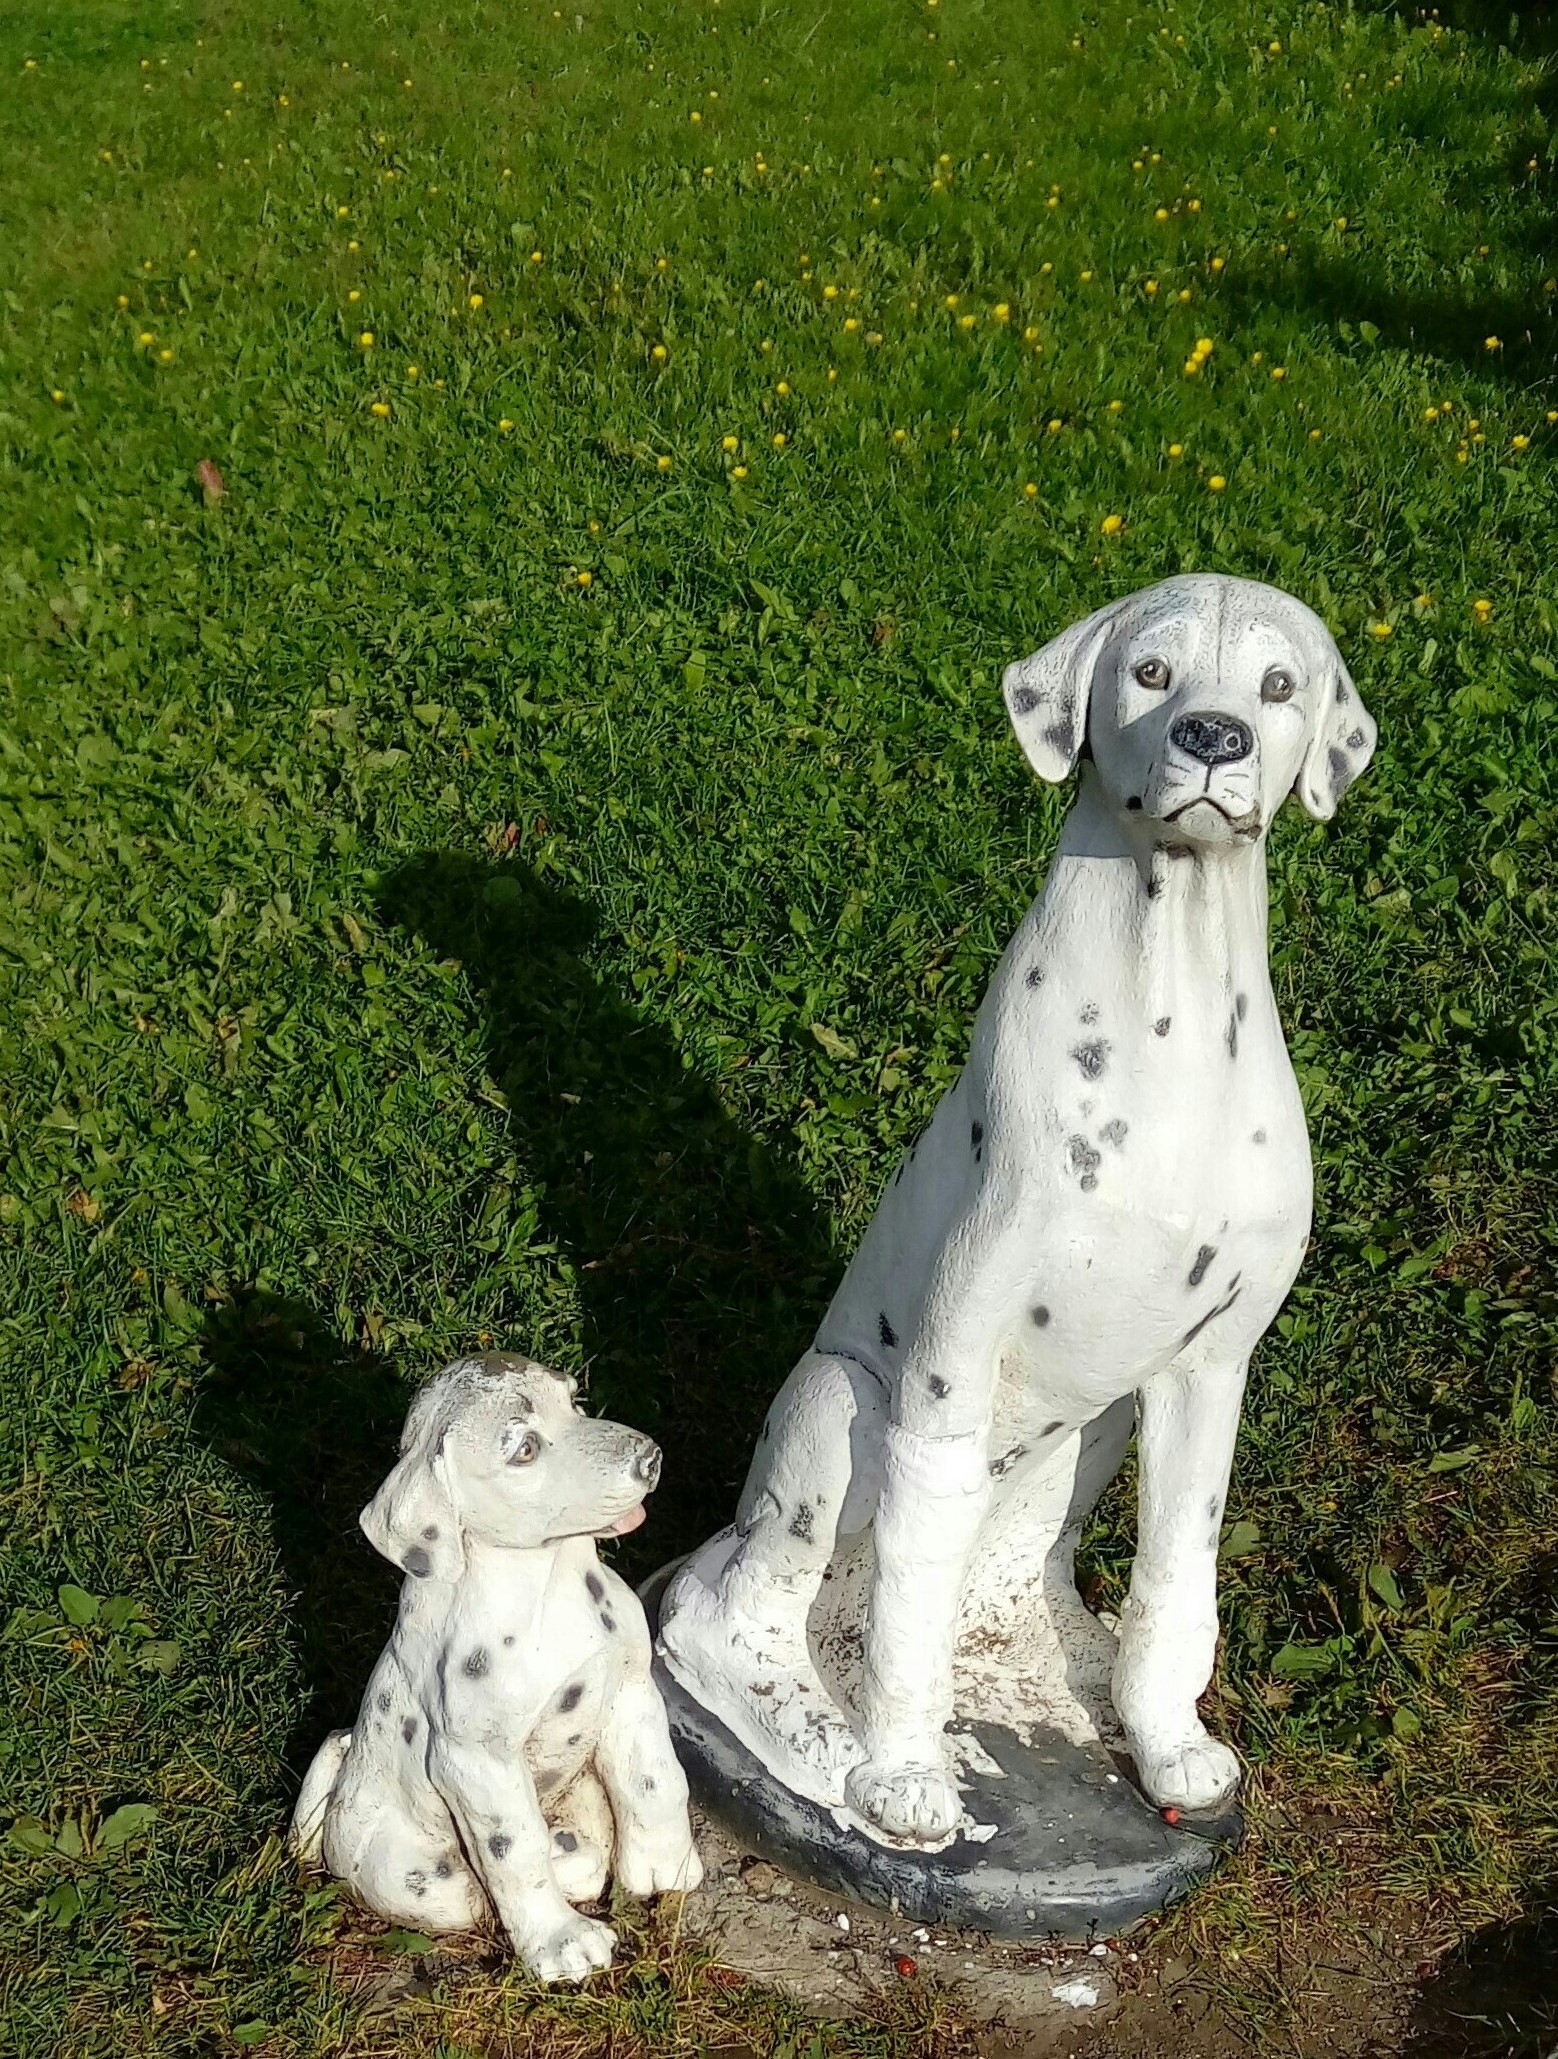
{"x": 1213, "y": 739}
{"x": 646, "y": 1466}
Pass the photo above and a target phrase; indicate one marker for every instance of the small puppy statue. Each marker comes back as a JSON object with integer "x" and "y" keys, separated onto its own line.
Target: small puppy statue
{"x": 510, "y": 1750}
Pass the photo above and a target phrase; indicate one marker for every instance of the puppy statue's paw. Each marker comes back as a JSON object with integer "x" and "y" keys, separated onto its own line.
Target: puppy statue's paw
{"x": 669, "y": 1867}
{"x": 573, "y": 1951}
{"x": 916, "y": 1802}
{"x": 1197, "y": 1774}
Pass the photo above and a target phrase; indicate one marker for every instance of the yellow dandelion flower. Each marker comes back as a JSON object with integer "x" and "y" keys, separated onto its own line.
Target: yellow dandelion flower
{"x": 1274, "y": 47}
{"x": 952, "y": 300}
{"x": 535, "y": 257}
{"x": 146, "y": 339}
{"x": 1115, "y": 406}
{"x": 1193, "y": 206}
{"x": 738, "y": 471}
{"x": 696, "y": 116}
{"x": 1216, "y": 483}
{"x": 965, "y": 321}
{"x": 365, "y": 340}
{"x": 1381, "y": 629}
{"x": 380, "y": 408}
{"x": 1003, "y": 313}
{"x": 57, "y": 394}
{"x": 662, "y": 464}
{"x": 164, "y": 357}
{"x": 1492, "y": 343}
{"x": 354, "y": 295}
{"x": 1204, "y": 347}
{"x": 123, "y": 301}
{"x": 780, "y": 439}
{"x": 1279, "y": 371}
{"x": 1055, "y": 425}
{"x": 1184, "y": 293}
{"x": 729, "y": 443}
{"x": 830, "y": 293}
{"x": 413, "y": 373}
{"x": 585, "y": 578}
{"x": 1520, "y": 443}
{"x": 1192, "y": 367}
{"x": 873, "y": 336}
{"x": 1314, "y": 435}
{"x": 1150, "y": 288}
{"x": 1160, "y": 214}
{"x": 1030, "y": 491}
{"x": 850, "y": 325}
{"x": 341, "y": 213}
{"x": 1423, "y": 600}
{"x": 1217, "y": 264}
{"x": 900, "y": 436}
{"x": 477, "y": 300}
{"x": 237, "y": 85}
{"x": 832, "y": 375}
{"x": 662, "y": 264}
{"x": 658, "y": 353}
{"x": 1482, "y": 609}
{"x": 1030, "y": 334}
{"x": 1176, "y": 450}
{"x": 1111, "y": 525}
{"x": 783, "y": 389}
{"x": 1053, "y": 201}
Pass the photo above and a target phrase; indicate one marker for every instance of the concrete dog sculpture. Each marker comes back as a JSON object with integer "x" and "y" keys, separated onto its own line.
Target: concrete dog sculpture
{"x": 510, "y": 1749}
{"x": 1100, "y": 1221}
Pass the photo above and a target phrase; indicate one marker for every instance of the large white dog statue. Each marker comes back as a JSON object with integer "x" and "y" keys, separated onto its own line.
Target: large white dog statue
{"x": 511, "y": 1749}
{"x": 1097, "y": 1226}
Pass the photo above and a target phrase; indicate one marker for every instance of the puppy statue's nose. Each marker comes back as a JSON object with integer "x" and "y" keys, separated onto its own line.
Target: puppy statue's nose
{"x": 646, "y": 1466}
{"x": 1213, "y": 739}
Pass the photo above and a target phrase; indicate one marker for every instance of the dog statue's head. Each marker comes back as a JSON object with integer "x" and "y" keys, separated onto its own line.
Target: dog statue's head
{"x": 497, "y": 1450}
{"x": 1204, "y": 702}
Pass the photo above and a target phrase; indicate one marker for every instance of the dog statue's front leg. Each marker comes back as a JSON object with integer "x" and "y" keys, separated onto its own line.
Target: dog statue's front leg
{"x": 1168, "y": 1626}
{"x": 506, "y": 1837}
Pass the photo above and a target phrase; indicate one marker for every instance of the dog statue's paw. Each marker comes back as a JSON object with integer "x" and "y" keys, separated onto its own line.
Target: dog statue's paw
{"x": 916, "y": 1802}
{"x": 671, "y": 1867}
{"x": 1197, "y": 1774}
{"x": 573, "y": 1951}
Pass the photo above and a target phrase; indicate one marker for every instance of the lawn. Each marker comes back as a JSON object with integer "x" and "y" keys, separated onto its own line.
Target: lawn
{"x": 516, "y": 854}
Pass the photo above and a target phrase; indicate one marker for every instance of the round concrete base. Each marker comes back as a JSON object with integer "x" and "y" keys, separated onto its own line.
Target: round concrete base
{"x": 1062, "y": 1844}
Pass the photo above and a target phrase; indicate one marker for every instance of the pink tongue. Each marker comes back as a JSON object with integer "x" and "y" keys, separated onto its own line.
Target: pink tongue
{"x": 630, "y": 1521}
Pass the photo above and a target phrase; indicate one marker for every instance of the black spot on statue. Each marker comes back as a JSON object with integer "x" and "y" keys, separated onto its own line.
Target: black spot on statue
{"x": 1341, "y": 771}
{"x": 976, "y": 1134}
{"x": 1058, "y": 737}
{"x": 1024, "y": 700}
{"x": 476, "y": 1664}
{"x": 1000, "y": 1467}
{"x": 1154, "y": 886}
{"x": 1041, "y": 1317}
{"x": 571, "y": 1697}
{"x": 443, "y": 1869}
{"x": 383, "y": 1704}
{"x": 1089, "y": 1012}
{"x": 801, "y": 1523}
{"x": 1034, "y": 976}
{"x": 408, "y": 1729}
{"x": 1050, "y": 1429}
{"x": 416, "y": 1880}
{"x": 575, "y": 1737}
{"x": 1259, "y": 1137}
{"x": 1211, "y": 1316}
{"x": 1355, "y": 741}
{"x": 1341, "y": 694}
{"x": 1214, "y": 1507}
{"x": 886, "y": 1332}
{"x": 565, "y": 1841}
{"x": 1092, "y": 1058}
{"x": 1085, "y": 1162}
{"x": 1133, "y": 803}
{"x": 1114, "y": 1132}
{"x": 1203, "y": 1259}
{"x": 608, "y": 1623}
{"x": 1163, "y": 1025}
{"x": 498, "y": 1844}
{"x": 594, "y": 1587}
{"x": 417, "y": 1563}
{"x": 508, "y": 1642}
{"x": 548, "y": 1779}
{"x": 1231, "y": 1036}
{"x": 1241, "y": 1005}
{"x": 938, "y": 1387}
{"x": 431, "y": 1533}
{"x": 647, "y": 1784}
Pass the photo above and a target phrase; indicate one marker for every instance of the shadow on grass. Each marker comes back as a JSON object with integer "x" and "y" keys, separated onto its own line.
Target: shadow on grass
{"x": 314, "y": 1425}
{"x": 702, "y": 1267}
{"x": 1495, "y": 1996}
{"x": 702, "y": 1263}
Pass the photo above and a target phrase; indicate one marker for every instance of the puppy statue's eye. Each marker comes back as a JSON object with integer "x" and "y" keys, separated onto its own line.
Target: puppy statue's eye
{"x": 1278, "y": 685}
{"x": 526, "y": 1451}
{"x": 1152, "y": 673}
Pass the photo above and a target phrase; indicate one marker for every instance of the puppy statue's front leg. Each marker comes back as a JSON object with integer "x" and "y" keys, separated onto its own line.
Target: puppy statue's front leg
{"x": 506, "y": 1836}
{"x": 1168, "y": 1627}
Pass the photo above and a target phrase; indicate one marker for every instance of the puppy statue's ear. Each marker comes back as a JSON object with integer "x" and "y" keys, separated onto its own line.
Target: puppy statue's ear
{"x": 1340, "y": 745}
{"x": 1047, "y": 695}
{"x": 414, "y": 1520}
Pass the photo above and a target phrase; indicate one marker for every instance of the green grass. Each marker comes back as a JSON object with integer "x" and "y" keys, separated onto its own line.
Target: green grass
{"x": 404, "y": 941}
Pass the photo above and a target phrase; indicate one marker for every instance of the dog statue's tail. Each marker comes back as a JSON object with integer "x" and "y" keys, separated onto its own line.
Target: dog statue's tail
{"x": 307, "y": 1835}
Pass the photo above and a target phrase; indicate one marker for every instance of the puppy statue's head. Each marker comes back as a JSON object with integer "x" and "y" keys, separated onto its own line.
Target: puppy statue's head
{"x": 496, "y": 1449}
{"x": 1204, "y": 702}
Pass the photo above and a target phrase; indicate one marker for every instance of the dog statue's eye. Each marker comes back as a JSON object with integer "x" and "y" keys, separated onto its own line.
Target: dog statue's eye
{"x": 1278, "y": 685}
{"x": 1152, "y": 673}
{"x": 526, "y": 1451}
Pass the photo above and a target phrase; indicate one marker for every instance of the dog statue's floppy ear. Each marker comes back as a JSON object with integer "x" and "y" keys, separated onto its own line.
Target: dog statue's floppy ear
{"x": 1341, "y": 745}
{"x": 414, "y": 1520}
{"x": 1047, "y": 695}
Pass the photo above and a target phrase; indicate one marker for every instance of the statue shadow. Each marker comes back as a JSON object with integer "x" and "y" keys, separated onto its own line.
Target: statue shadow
{"x": 702, "y": 1266}
{"x": 314, "y": 1425}
{"x": 701, "y": 1262}
{"x": 1496, "y": 1995}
